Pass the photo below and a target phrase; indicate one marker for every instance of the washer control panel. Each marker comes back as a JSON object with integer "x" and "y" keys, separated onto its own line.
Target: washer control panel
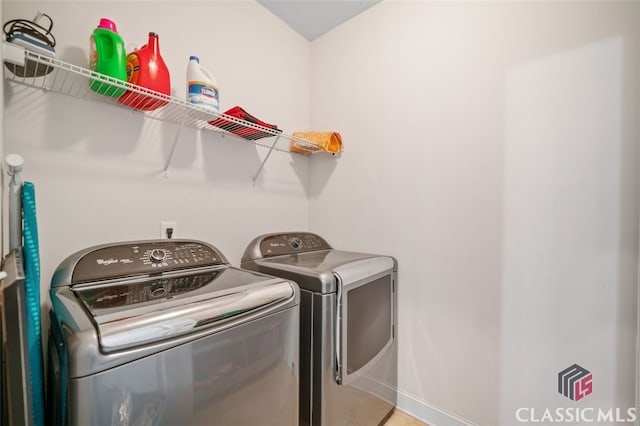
{"x": 291, "y": 243}
{"x": 128, "y": 259}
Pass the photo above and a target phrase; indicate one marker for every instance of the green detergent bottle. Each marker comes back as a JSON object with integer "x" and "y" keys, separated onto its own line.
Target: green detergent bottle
{"x": 107, "y": 56}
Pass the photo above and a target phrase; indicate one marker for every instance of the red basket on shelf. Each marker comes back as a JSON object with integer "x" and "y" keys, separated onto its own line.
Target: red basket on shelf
{"x": 247, "y": 132}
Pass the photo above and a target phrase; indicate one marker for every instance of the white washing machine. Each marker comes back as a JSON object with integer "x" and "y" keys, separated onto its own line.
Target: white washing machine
{"x": 348, "y": 343}
{"x": 165, "y": 332}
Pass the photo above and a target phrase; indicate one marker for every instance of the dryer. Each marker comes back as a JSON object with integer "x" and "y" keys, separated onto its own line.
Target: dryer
{"x": 166, "y": 332}
{"x": 348, "y": 340}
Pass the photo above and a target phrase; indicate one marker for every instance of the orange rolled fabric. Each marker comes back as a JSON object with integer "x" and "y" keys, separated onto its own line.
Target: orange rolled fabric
{"x": 309, "y": 142}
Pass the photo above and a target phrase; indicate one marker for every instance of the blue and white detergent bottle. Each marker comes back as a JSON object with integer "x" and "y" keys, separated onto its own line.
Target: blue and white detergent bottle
{"x": 202, "y": 88}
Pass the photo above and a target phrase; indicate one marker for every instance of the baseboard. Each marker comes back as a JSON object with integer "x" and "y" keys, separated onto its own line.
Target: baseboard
{"x": 428, "y": 414}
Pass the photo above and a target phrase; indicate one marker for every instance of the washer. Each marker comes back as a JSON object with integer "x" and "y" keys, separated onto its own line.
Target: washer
{"x": 348, "y": 344}
{"x": 165, "y": 332}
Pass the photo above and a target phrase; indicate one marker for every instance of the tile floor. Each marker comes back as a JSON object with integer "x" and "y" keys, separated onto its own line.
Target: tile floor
{"x": 398, "y": 418}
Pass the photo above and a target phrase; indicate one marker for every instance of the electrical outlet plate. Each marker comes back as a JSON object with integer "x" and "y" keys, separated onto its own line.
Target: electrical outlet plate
{"x": 166, "y": 225}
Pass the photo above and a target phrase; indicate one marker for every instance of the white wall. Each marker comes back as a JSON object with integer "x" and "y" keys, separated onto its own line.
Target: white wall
{"x": 490, "y": 147}
{"x": 97, "y": 168}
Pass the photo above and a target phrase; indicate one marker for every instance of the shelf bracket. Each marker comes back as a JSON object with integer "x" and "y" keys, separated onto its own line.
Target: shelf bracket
{"x": 173, "y": 147}
{"x": 266, "y": 157}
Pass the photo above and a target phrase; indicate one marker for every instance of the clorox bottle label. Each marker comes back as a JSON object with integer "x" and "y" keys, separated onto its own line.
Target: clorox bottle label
{"x": 204, "y": 94}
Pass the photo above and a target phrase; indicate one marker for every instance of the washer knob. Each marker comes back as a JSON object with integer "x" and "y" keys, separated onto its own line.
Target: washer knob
{"x": 295, "y": 243}
{"x": 157, "y": 255}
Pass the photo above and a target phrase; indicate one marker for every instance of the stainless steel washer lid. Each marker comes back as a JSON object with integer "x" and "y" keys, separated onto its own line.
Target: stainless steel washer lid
{"x": 129, "y": 314}
{"x": 307, "y": 259}
{"x": 132, "y": 308}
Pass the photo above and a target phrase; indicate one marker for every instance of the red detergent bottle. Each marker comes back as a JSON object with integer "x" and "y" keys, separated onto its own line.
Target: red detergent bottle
{"x": 146, "y": 68}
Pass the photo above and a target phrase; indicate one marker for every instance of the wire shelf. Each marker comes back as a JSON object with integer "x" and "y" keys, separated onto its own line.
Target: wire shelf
{"x": 51, "y": 74}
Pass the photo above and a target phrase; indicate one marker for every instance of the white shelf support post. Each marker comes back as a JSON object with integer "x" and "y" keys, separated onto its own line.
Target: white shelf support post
{"x": 173, "y": 147}
{"x": 266, "y": 157}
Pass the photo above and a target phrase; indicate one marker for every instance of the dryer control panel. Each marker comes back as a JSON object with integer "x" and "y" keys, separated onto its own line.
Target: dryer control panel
{"x": 143, "y": 258}
{"x": 291, "y": 243}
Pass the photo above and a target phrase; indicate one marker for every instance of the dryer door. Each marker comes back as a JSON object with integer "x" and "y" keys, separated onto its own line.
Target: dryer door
{"x": 365, "y": 326}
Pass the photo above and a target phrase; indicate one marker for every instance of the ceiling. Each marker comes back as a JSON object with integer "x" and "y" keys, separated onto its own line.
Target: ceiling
{"x": 312, "y": 18}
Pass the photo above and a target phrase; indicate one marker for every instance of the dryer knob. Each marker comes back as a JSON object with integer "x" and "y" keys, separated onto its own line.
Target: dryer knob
{"x": 157, "y": 255}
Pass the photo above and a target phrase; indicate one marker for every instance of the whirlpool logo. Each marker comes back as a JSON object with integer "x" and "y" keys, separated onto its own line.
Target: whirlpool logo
{"x": 575, "y": 382}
